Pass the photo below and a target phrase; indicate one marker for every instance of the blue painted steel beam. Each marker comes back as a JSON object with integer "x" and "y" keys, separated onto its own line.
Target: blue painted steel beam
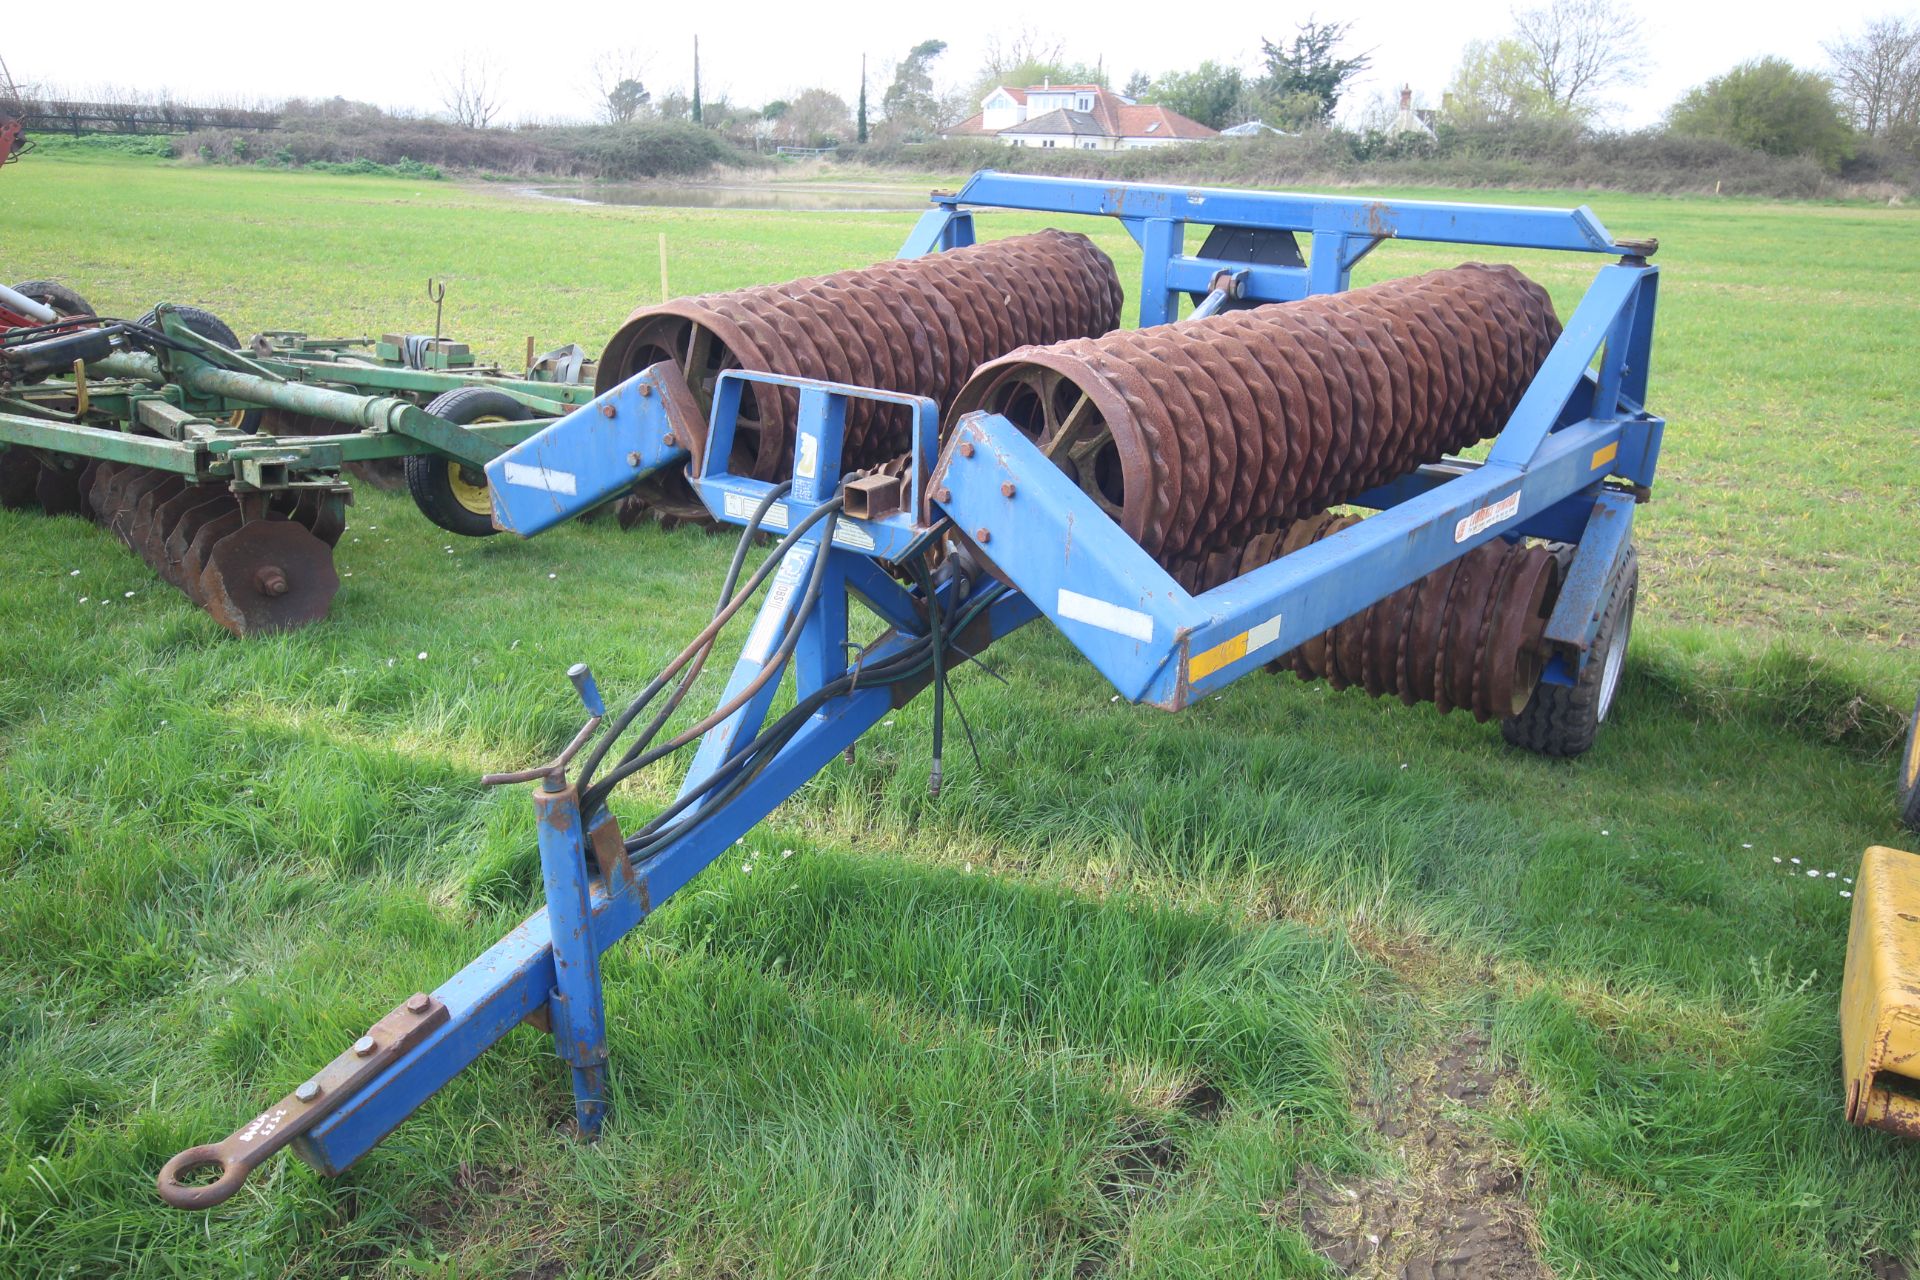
{"x": 513, "y": 978}
{"x": 594, "y": 453}
{"x": 1511, "y": 226}
{"x": 576, "y": 1006}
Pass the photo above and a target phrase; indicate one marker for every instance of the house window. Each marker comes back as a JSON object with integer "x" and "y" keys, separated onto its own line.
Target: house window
{"x": 1086, "y": 103}
{"x": 1090, "y": 145}
{"x": 1047, "y": 143}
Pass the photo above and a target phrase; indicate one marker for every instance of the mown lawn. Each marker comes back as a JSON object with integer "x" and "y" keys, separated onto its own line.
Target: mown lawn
{"x": 957, "y": 1037}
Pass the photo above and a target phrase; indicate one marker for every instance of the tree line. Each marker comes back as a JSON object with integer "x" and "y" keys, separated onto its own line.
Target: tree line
{"x": 1559, "y": 65}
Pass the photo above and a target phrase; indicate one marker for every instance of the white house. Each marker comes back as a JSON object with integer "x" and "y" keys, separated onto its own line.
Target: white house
{"x": 1086, "y": 117}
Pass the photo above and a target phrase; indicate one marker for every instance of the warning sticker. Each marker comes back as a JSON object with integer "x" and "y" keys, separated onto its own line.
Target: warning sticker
{"x": 740, "y": 507}
{"x": 1487, "y": 517}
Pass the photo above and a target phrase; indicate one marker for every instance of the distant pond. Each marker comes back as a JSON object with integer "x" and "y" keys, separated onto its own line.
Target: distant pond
{"x": 831, "y": 198}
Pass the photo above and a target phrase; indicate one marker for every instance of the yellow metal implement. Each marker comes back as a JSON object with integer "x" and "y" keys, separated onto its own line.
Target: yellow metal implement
{"x": 1880, "y": 996}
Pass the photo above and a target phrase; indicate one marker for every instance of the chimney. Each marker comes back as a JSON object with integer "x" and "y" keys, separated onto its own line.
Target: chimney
{"x": 1406, "y": 97}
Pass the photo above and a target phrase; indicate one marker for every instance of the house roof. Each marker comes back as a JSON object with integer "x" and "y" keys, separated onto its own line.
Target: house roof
{"x": 1018, "y": 95}
{"x": 1112, "y": 116}
{"x": 1079, "y": 124}
{"x": 1143, "y": 121}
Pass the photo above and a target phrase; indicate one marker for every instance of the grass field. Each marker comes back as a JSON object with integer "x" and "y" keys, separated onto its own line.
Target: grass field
{"x": 1122, "y": 1001}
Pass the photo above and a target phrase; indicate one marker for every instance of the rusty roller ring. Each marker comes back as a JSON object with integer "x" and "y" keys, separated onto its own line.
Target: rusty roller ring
{"x": 920, "y": 326}
{"x": 1344, "y": 392}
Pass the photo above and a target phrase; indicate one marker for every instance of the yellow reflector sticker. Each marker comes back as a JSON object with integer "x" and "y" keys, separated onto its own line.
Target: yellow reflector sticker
{"x": 1601, "y": 457}
{"x": 1205, "y": 663}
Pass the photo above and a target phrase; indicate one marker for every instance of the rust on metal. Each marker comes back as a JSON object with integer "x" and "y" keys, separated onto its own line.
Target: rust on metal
{"x": 242, "y": 1151}
{"x": 914, "y": 325}
{"x": 256, "y": 562}
{"x": 1196, "y": 437}
{"x": 1470, "y": 635}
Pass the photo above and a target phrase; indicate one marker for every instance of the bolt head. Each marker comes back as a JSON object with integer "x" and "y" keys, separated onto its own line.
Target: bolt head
{"x": 669, "y": 440}
{"x": 646, "y": 389}
{"x": 364, "y": 1047}
{"x": 633, "y": 459}
{"x": 607, "y": 411}
{"x": 419, "y": 1002}
{"x": 943, "y": 495}
{"x": 308, "y": 1092}
{"x": 983, "y": 534}
{"x": 966, "y": 448}
{"x": 1006, "y": 489}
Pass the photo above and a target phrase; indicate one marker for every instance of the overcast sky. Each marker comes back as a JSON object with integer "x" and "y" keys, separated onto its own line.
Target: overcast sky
{"x": 756, "y": 50}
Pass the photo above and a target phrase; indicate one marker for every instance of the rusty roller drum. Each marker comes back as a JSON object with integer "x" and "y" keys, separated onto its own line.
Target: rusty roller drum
{"x": 916, "y": 325}
{"x": 1197, "y": 436}
{"x": 266, "y": 570}
{"x": 1468, "y": 635}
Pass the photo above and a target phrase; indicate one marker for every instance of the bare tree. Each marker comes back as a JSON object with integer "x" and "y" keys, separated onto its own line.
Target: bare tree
{"x": 1016, "y": 50}
{"x": 619, "y": 94}
{"x": 1579, "y": 49}
{"x": 470, "y": 90}
{"x": 1877, "y": 74}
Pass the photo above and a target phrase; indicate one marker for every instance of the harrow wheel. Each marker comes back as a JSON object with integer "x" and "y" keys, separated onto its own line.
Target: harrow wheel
{"x": 451, "y": 493}
{"x": 51, "y": 293}
{"x": 1563, "y": 720}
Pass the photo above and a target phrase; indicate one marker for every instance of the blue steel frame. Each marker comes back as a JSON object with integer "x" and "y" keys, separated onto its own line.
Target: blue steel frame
{"x": 1581, "y": 421}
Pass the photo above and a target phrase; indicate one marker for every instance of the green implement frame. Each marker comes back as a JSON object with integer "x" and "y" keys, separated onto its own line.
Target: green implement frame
{"x": 223, "y": 469}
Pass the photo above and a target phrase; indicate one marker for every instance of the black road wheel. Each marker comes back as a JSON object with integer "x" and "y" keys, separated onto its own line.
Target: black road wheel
{"x": 214, "y": 329}
{"x": 1910, "y": 773}
{"x": 1563, "y": 720}
{"x": 53, "y": 294}
{"x": 451, "y": 493}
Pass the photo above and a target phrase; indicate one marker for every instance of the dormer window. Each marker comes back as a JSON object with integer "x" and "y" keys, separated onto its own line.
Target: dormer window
{"x": 1085, "y": 103}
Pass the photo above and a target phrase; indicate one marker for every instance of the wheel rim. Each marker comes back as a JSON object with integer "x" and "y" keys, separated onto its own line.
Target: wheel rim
{"x": 1616, "y": 661}
{"x": 468, "y": 484}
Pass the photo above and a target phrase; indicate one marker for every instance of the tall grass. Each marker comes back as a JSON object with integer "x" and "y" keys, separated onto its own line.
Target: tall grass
{"x": 891, "y": 1035}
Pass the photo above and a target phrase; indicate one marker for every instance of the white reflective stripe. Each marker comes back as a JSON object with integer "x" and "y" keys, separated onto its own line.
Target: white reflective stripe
{"x": 1264, "y": 634}
{"x": 1108, "y": 617}
{"x": 541, "y": 478}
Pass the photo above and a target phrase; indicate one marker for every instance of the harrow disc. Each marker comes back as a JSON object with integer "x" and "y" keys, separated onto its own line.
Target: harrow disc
{"x": 19, "y": 476}
{"x": 267, "y": 575}
{"x": 57, "y": 489}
